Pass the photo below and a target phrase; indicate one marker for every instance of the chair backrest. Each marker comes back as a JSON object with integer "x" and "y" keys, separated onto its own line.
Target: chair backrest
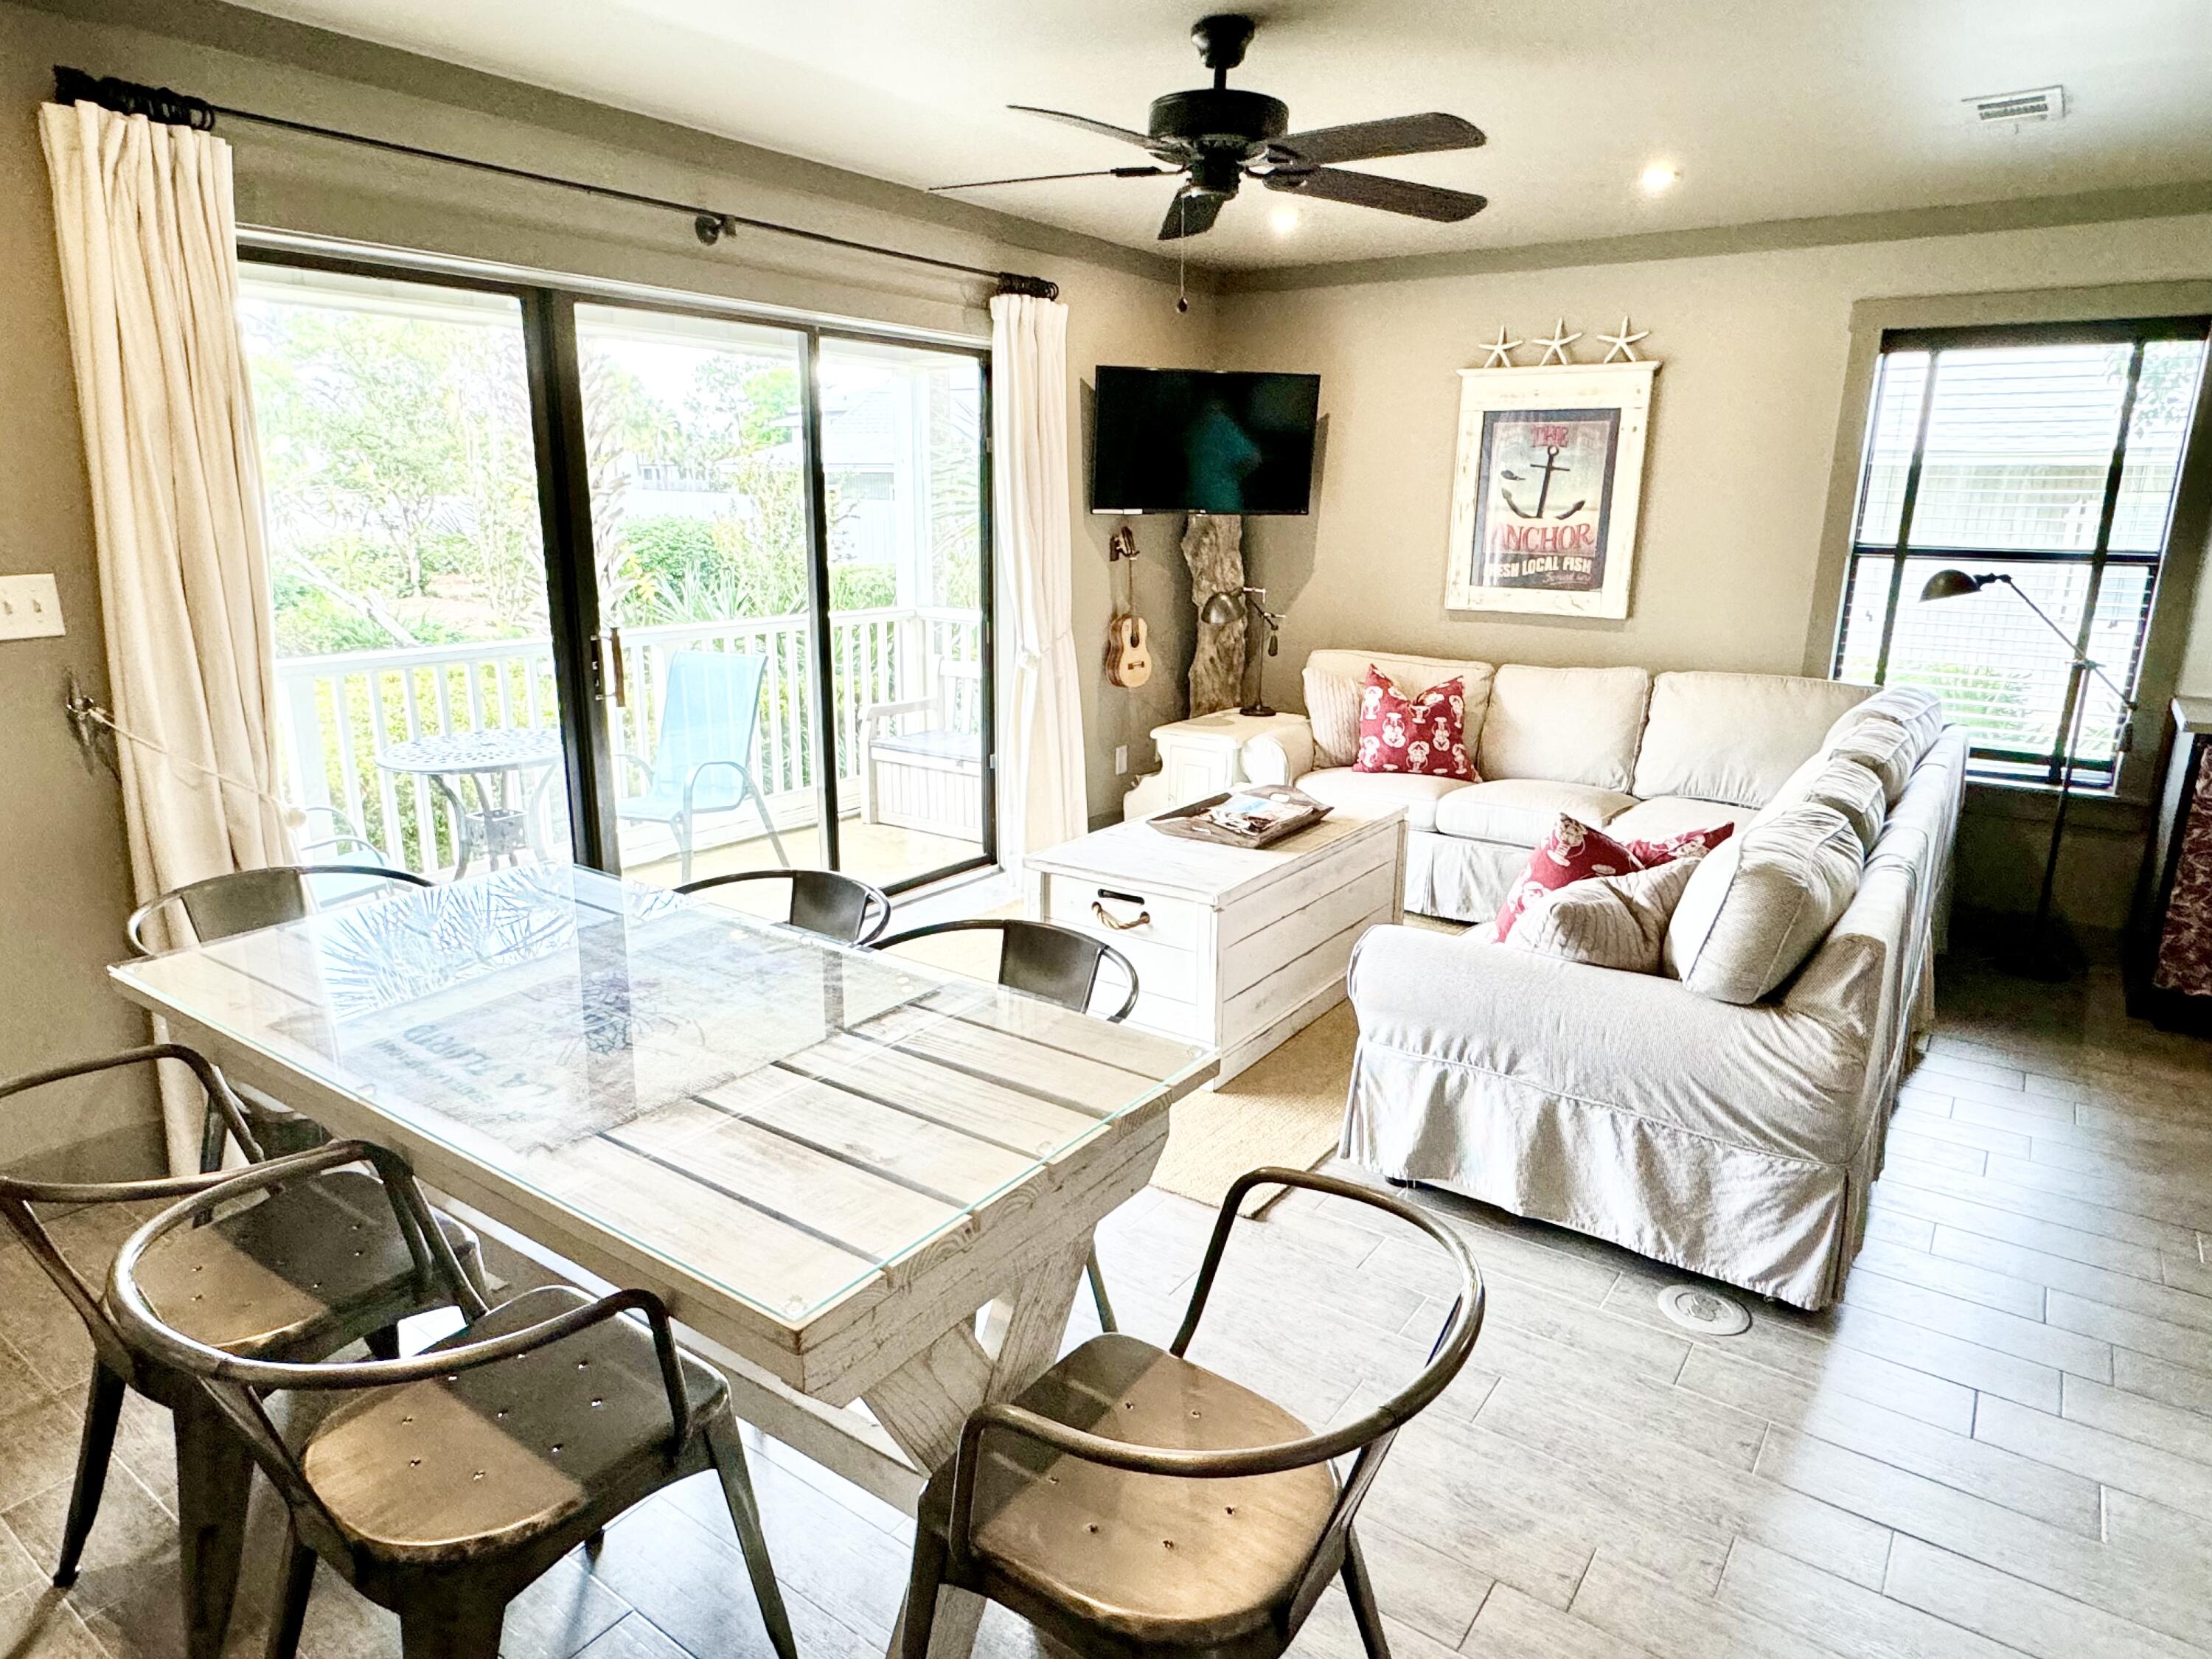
{"x": 18, "y": 1193}
{"x": 1041, "y": 959}
{"x": 839, "y": 907}
{"x": 960, "y": 693}
{"x": 223, "y": 906}
{"x": 709, "y": 711}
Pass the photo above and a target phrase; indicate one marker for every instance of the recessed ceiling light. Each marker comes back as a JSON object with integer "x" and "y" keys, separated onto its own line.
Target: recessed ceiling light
{"x": 1283, "y": 220}
{"x": 1658, "y": 176}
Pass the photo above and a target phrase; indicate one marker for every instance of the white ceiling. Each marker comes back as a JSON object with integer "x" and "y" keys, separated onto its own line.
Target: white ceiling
{"x": 1771, "y": 109}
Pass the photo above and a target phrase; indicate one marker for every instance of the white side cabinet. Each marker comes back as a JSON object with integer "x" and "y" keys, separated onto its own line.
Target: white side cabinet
{"x": 1234, "y": 949}
{"x": 1200, "y": 758}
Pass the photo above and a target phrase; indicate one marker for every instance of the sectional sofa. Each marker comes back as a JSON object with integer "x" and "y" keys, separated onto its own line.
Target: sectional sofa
{"x": 1726, "y": 1119}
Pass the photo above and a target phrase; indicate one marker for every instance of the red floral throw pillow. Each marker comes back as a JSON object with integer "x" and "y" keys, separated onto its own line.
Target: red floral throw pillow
{"x": 1572, "y": 851}
{"x": 1648, "y": 853}
{"x": 1424, "y": 735}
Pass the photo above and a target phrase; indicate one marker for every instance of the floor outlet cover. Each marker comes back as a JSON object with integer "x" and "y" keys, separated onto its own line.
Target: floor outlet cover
{"x": 1694, "y": 1308}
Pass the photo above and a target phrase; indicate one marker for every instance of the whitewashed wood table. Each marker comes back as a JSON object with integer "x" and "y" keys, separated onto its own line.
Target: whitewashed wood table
{"x": 829, "y": 1161}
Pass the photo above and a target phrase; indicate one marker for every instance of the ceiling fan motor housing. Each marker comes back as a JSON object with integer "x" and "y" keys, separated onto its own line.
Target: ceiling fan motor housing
{"x": 1224, "y": 125}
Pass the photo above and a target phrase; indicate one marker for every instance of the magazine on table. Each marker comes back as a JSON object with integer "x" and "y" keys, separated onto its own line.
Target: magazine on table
{"x": 1254, "y": 815}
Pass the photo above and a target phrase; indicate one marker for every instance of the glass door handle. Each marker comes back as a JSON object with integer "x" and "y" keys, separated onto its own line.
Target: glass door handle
{"x": 619, "y": 675}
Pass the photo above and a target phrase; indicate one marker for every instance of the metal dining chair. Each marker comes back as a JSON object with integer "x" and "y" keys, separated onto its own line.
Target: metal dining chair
{"x": 244, "y": 901}
{"x": 839, "y": 907}
{"x": 1043, "y": 959}
{"x": 451, "y": 1480}
{"x": 300, "y": 1274}
{"x": 1129, "y": 1503}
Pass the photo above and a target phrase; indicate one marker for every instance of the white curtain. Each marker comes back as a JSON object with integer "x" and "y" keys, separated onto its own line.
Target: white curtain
{"x": 145, "y": 226}
{"x": 1040, "y": 792}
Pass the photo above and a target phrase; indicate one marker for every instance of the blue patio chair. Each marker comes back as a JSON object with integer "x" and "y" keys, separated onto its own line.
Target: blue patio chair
{"x": 702, "y": 758}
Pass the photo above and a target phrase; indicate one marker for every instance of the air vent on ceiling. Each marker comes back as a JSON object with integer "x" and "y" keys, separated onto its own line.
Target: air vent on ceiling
{"x": 2011, "y": 108}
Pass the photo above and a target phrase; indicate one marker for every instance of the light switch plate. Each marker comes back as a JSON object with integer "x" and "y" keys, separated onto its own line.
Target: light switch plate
{"x": 30, "y": 609}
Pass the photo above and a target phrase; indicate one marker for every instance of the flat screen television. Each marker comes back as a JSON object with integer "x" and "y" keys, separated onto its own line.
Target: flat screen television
{"x": 1189, "y": 440}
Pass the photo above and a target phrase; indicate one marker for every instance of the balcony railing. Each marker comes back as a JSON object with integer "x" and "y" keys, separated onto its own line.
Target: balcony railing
{"x": 344, "y": 709}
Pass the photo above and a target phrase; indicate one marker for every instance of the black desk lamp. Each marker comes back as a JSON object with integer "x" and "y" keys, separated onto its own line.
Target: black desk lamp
{"x": 2044, "y": 958}
{"x": 1221, "y": 608}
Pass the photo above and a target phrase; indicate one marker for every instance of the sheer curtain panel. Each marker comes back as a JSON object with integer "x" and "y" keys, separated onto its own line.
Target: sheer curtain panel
{"x": 144, "y": 223}
{"x": 1040, "y": 791}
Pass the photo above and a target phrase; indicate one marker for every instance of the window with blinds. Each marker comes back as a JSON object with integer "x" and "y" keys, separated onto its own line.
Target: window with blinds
{"x": 2050, "y": 456}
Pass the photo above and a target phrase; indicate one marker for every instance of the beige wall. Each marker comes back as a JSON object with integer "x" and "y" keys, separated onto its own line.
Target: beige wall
{"x": 1743, "y": 430}
{"x": 64, "y": 888}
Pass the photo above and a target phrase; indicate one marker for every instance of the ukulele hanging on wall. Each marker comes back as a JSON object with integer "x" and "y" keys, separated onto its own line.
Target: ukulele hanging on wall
{"x": 1128, "y": 659}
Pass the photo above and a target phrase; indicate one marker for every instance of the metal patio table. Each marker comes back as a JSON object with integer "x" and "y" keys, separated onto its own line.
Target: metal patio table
{"x": 496, "y": 763}
{"x": 829, "y": 1161}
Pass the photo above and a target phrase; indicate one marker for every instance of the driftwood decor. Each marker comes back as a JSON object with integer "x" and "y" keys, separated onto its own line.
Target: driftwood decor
{"x": 1214, "y": 548}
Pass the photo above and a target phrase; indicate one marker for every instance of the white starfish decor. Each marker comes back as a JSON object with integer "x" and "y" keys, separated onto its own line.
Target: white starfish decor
{"x": 1556, "y": 346}
{"x": 1623, "y": 343}
{"x": 1501, "y": 350}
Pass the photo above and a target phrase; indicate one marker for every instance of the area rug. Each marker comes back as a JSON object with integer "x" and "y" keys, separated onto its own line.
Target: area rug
{"x": 1285, "y": 1108}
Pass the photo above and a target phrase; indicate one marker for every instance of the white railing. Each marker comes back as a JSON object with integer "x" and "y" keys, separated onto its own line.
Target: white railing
{"x": 344, "y": 709}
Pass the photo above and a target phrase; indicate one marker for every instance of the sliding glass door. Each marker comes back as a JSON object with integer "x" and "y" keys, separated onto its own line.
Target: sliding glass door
{"x": 665, "y": 589}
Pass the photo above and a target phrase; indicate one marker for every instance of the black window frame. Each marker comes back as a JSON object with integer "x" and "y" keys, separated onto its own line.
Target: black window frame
{"x": 1988, "y": 764}
{"x": 554, "y": 371}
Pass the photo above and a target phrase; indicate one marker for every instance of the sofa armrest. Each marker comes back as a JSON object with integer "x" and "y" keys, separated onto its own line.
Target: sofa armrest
{"x": 1281, "y": 756}
{"x": 1767, "y": 1076}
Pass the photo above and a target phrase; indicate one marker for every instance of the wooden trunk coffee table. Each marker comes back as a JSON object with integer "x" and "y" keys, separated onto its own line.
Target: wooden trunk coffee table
{"x": 1234, "y": 950}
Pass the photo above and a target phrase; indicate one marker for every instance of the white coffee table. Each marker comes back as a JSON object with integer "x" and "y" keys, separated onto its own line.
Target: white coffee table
{"x": 1235, "y": 950}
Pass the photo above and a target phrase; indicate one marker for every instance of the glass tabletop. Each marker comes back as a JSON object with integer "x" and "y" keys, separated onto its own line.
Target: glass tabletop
{"x": 779, "y": 1115}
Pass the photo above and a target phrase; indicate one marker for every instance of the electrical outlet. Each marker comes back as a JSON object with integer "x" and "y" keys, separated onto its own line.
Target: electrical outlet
{"x": 1120, "y": 758}
{"x": 30, "y": 609}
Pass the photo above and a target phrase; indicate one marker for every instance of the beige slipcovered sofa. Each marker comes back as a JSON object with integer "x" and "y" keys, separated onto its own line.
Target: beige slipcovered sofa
{"x": 1726, "y": 1115}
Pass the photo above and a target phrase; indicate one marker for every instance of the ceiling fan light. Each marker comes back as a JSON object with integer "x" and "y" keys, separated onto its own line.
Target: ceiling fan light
{"x": 1283, "y": 220}
{"x": 1658, "y": 176}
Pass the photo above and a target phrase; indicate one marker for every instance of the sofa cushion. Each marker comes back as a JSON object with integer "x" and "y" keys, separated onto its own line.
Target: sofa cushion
{"x": 1335, "y": 717}
{"x": 1669, "y": 816}
{"x": 1856, "y": 792}
{"x": 1606, "y": 922}
{"x": 1886, "y": 749}
{"x": 1920, "y": 713}
{"x": 1424, "y": 734}
{"x": 1521, "y": 812}
{"x": 1735, "y": 737}
{"x": 1372, "y": 793}
{"x": 1760, "y": 901}
{"x": 1569, "y": 725}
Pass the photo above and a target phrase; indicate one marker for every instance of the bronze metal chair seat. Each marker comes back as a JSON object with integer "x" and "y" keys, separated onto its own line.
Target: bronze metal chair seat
{"x": 306, "y": 1270}
{"x": 1131, "y": 1504}
{"x": 301, "y": 1274}
{"x": 496, "y": 1457}
{"x": 453, "y": 1478}
{"x": 1149, "y": 1557}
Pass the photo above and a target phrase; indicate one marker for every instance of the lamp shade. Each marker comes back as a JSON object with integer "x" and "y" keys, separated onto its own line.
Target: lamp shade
{"x": 1951, "y": 585}
{"x": 1220, "y": 609}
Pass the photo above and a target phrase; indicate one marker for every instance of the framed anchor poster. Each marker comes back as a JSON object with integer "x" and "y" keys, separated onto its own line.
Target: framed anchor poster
{"x": 1547, "y": 488}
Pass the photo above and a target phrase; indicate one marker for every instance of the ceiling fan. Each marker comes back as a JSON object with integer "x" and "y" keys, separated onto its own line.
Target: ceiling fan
{"x": 1218, "y": 136}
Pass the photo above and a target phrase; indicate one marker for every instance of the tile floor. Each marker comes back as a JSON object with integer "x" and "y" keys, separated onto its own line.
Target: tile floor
{"x": 1999, "y": 1443}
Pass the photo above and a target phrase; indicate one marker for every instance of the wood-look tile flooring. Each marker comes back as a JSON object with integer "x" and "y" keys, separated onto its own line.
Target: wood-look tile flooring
{"x": 1999, "y": 1443}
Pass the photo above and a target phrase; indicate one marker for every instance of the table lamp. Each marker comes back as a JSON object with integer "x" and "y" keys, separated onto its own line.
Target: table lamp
{"x": 2046, "y": 957}
{"x": 1220, "y": 609}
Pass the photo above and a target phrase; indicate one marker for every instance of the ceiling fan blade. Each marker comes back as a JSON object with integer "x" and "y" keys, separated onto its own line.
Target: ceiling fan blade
{"x": 1045, "y": 178}
{"x": 1365, "y": 141}
{"x": 1191, "y": 214}
{"x": 1107, "y": 129}
{"x": 1369, "y": 190}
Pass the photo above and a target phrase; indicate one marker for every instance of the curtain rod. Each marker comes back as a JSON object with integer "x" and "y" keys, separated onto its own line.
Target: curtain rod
{"x": 174, "y": 108}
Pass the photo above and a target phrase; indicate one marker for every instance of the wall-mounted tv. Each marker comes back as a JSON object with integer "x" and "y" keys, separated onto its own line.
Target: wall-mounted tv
{"x": 1187, "y": 441}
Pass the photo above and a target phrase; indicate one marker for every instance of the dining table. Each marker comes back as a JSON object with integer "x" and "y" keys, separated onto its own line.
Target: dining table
{"x": 866, "y": 1186}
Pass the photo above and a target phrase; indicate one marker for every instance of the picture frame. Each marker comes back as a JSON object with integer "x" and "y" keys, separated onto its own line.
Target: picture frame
{"x": 1548, "y": 489}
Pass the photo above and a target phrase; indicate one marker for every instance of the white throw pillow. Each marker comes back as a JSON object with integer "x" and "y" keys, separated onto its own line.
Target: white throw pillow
{"x": 1607, "y": 922}
{"x": 1758, "y": 903}
{"x": 1333, "y": 711}
{"x": 1886, "y": 749}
